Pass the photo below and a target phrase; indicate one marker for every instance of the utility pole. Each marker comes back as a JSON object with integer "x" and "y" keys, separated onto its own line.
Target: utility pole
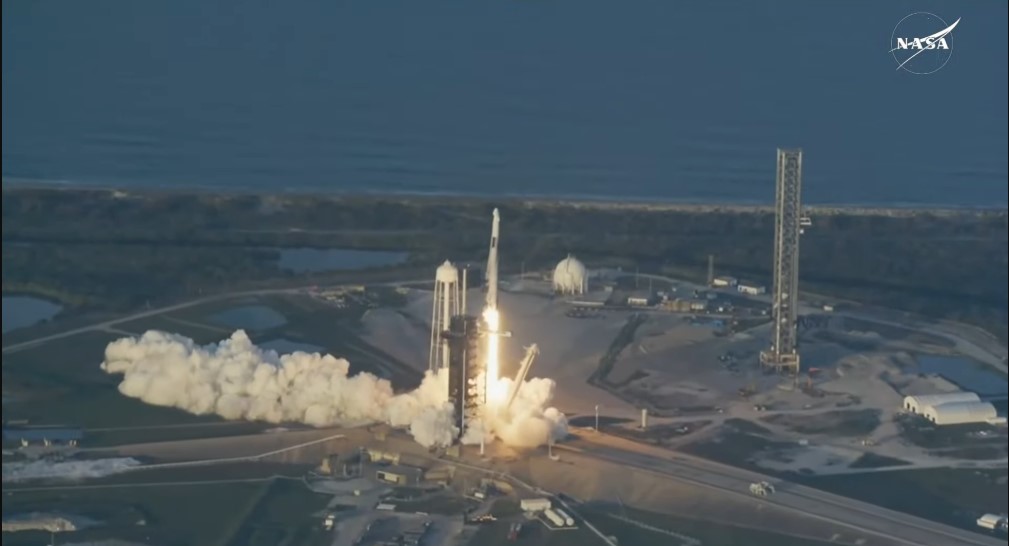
{"x": 597, "y": 417}
{"x": 711, "y": 269}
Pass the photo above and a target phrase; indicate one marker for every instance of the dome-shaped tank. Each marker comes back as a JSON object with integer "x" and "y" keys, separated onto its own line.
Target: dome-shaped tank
{"x": 447, "y": 273}
{"x": 570, "y": 276}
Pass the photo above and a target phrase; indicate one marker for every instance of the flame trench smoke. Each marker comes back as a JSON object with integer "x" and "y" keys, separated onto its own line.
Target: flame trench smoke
{"x": 238, "y": 380}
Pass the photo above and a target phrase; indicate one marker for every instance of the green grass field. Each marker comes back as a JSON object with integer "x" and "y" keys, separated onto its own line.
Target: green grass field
{"x": 708, "y": 532}
{"x": 103, "y": 437}
{"x": 181, "y": 515}
{"x": 535, "y": 533}
{"x": 288, "y": 514}
{"x": 60, "y": 382}
{"x": 163, "y": 507}
{"x": 952, "y": 496}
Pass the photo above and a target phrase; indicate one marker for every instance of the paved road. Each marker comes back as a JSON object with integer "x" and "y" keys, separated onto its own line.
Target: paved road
{"x": 864, "y": 517}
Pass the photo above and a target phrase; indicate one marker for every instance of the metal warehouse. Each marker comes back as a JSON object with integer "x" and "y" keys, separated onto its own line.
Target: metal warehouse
{"x": 919, "y": 403}
{"x": 957, "y": 413}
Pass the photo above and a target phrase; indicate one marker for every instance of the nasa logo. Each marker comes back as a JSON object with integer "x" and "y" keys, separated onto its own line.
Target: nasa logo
{"x": 922, "y": 43}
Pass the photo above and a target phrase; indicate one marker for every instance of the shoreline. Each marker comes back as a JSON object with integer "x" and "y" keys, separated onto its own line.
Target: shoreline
{"x": 529, "y": 201}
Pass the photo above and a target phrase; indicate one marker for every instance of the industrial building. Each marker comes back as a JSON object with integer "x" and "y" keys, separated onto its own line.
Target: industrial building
{"x": 641, "y": 299}
{"x": 919, "y": 403}
{"x": 570, "y": 277}
{"x": 959, "y": 413}
{"x": 994, "y": 522}
{"x": 683, "y": 305}
{"x": 398, "y": 475}
{"x": 751, "y": 288}
{"x": 723, "y": 281}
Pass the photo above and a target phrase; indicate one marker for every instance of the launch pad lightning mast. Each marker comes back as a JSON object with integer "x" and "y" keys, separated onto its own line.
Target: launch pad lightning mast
{"x": 783, "y": 354}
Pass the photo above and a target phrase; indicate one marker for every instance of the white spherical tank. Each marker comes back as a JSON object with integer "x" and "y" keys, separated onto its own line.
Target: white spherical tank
{"x": 447, "y": 273}
{"x": 570, "y": 276}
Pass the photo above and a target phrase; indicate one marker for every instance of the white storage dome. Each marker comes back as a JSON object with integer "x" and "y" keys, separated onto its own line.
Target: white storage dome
{"x": 570, "y": 276}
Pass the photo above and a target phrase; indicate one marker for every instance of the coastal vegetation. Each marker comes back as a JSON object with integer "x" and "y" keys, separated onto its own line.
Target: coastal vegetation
{"x": 112, "y": 250}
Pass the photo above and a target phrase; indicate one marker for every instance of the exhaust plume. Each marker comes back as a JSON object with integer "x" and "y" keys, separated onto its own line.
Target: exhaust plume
{"x": 238, "y": 380}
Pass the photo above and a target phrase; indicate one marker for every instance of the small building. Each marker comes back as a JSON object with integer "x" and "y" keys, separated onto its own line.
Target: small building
{"x": 919, "y": 402}
{"x": 993, "y": 522}
{"x": 723, "y": 281}
{"x": 329, "y": 462}
{"x": 641, "y": 299}
{"x": 535, "y": 505}
{"x": 959, "y": 413}
{"x": 751, "y": 288}
{"x": 390, "y": 476}
{"x": 677, "y": 305}
{"x": 698, "y": 306}
{"x": 379, "y": 456}
{"x": 441, "y": 475}
{"x": 398, "y": 475}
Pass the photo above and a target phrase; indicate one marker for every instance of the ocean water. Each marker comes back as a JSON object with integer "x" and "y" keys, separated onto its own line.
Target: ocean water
{"x": 640, "y": 100}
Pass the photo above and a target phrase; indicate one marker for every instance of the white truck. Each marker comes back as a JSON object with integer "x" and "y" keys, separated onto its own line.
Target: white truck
{"x": 329, "y": 522}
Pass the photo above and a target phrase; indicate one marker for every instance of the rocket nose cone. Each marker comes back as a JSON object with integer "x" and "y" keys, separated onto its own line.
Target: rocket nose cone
{"x": 496, "y": 213}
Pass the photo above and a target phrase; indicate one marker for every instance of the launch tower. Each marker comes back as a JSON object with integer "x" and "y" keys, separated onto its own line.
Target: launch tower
{"x": 783, "y": 354}
{"x": 466, "y": 393}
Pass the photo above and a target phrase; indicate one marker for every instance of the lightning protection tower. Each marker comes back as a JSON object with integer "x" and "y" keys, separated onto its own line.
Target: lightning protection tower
{"x": 783, "y": 354}
{"x": 446, "y": 305}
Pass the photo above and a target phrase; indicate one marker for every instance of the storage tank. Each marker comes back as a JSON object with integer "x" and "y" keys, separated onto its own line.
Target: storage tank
{"x": 554, "y": 517}
{"x": 568, "y": 520}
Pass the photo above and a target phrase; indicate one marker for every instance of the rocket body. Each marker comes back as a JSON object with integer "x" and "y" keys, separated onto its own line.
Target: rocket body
{"x": 492, "y": 262}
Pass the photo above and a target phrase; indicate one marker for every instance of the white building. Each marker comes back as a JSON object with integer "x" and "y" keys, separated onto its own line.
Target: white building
{"x": 993, "y": 521}
{"x": 918, "y": 403}
{"x": 750, "y": 288}
{"x": 723, "y": 281}
{"x": 570, "y": 276}
{"x": 958, "y": 413}
{"x": 534, "y": 505}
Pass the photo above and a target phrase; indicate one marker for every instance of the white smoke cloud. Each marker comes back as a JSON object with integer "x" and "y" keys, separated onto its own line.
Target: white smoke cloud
{"x": 525, "y": 423}
{"x": 238, "y": 380}
{"x": 70, "y": 470}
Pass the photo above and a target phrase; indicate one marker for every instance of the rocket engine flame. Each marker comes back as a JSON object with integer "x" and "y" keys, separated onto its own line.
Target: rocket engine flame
{"x": 496, "y": 389}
